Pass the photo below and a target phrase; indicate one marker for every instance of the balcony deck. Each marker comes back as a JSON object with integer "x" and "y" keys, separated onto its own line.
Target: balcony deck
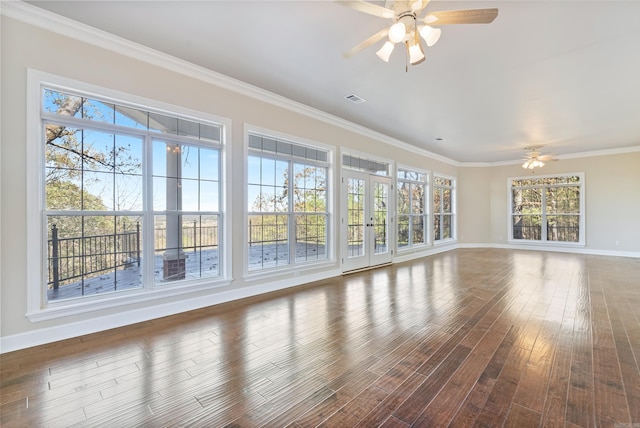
{"x": 200, "y": 264}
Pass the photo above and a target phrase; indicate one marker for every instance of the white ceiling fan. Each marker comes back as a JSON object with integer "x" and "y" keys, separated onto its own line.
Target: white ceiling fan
{"x": 408, "y": 27}
{"x": 535, "y": 159}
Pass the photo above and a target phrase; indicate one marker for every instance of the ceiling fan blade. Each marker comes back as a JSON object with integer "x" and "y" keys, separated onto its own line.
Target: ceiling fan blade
{"x": 467, "y": 16}
{"x": 368, "y": 42}
{"x": 419, "y": 6}
{"x": 547, "y": 158}
{"x": 370, "y": 8}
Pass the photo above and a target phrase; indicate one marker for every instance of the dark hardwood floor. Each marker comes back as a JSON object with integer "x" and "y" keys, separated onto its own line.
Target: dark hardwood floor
{"x": 473, "y": 337}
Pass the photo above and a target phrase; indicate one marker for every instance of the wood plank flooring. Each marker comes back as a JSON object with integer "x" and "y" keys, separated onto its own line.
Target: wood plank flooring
{"x": 466, "y": 338}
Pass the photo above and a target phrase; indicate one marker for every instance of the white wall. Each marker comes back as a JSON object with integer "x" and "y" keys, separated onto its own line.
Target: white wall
{"x": 613, "y": 205}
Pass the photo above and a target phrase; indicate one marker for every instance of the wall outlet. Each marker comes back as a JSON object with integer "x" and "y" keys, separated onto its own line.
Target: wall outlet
{"x": 617, "y": 243}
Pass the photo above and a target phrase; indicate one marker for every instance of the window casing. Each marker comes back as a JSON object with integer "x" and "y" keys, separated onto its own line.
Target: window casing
{"x": 547, "y": 209}
{"x": 287, "y": 204}
{"x": 132, "y": 199}
{"x": 412, "y": 209}
{"x": 443, "y": 208}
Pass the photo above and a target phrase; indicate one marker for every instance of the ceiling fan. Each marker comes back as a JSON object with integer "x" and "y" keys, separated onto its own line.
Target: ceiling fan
{"x": 408, "y": 27}
{"x": 534, "y": 159}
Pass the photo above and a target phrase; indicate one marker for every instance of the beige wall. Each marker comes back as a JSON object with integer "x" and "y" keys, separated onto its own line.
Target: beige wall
{"x": 612, "y": 201}
{"x": 613, "y": 204}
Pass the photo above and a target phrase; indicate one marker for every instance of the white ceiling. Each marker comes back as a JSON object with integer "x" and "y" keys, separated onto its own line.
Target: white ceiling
{"x": 560, "y": 74}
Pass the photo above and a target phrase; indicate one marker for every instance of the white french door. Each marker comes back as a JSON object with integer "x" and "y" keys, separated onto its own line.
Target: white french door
{"x": 365, "y": 220}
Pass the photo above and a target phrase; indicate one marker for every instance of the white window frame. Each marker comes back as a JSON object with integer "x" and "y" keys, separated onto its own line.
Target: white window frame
{"x": 427, "y": 207}
{"x": 543, "y": 241}
{"x": 38, "y": 308}
{"x": 267, "y": 272}
{"x": 454, "y": 225}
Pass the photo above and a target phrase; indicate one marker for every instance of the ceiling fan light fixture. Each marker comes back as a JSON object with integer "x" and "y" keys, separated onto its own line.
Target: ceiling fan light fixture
{"x": 385, "y": 51}
{"x": 533, "y": 164}
{"x": 397, "y": 32}
{"x": 416, "y": 55}
{"x": 430, "y": 35}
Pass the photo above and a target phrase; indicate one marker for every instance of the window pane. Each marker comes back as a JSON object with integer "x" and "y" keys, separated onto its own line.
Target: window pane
{"x": 62, "y": 104}
{"x": 417, "y": 230}
{"x": 128, "y": 192}
{"x": 189, "y": 162}
{"x": 403, "y": 198}
{"x": 268, "y": 172}
{"x": 311, "y": 237}
{"x": 161, "y": 123}
{"x": 188, "y": 128}
{"x": 403, "y": 231}
{"x": 63, "y": 148}
{"x": 446, "y": 200}
{"x": 268, "y": 241}
{"x": 98, "y": 187}
{"x": 527, "y": 227}
{"x": 65, "y": 193}
{"x": 565, "y": 228}
{"x": 447, "y": 227}
{"x": 210, "y": 133}
{"x": 209, "y": 195}
{"x": 131, "y": 117}
{"x": 98, "y": 111}
{"x": 563, "y": 200}
{"x": 527, "y": 201}
{"x": 380, "y": 204}
{"x": 209, "y": 164}
{"x": 439, "y": 181}
{"x": 186, "y": 247}
{"x": 309, "y": 193}
{"x": 437, "y": 200}
{"x": 88, "y": 255}
{"x": 355, "y": 217}
{"x": 189, "y": 194}
{"x": 417, "y": 199}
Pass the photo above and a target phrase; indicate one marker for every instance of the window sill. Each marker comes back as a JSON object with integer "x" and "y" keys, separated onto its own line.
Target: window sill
{"x": 288, "y": 270}
{"x": 546, "y": 243}
{"x": 445, "y": 242}
{"x": 80, "y": 306}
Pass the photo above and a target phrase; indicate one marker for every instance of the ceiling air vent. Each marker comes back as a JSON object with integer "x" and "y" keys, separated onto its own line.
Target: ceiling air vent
{"x": 355, "y": 99}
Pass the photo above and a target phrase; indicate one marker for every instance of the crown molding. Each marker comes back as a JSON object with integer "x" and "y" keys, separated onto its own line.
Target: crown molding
{"x": 49, "y": 21}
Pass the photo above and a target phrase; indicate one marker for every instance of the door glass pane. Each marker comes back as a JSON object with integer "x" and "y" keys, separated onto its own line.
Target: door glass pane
{"x": 355, "y": 217}
{"x": 380, "y": 204}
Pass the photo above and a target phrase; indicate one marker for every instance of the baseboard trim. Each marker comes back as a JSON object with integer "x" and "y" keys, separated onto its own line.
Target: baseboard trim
{"x": 576, "y": 250}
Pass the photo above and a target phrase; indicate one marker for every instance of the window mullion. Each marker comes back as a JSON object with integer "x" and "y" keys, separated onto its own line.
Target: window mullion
{"x": 543, "y": 209}
{"x": 291, "y": 223}
{"x": 148, "y": 234}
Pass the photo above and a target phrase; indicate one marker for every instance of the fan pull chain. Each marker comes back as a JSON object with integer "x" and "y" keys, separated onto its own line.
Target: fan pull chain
{"x": 406, "y": 58}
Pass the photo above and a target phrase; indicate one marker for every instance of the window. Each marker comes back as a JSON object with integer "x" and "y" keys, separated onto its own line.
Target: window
{"x": 443, "y": 208}
{"x": 132, "y": 198}
{"x": 412, "y": 208}
{"x": 286, "y": 203}
{"x": 547, "y": 209}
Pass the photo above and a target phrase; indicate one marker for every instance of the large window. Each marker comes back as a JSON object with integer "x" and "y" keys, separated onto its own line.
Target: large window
{"x": 443, "y": 208}
{"x": 132, "y": 197}
{"x": 286, "y": 203}
{"x": 547, "y": 209}
{"x": 412, "y": 208}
